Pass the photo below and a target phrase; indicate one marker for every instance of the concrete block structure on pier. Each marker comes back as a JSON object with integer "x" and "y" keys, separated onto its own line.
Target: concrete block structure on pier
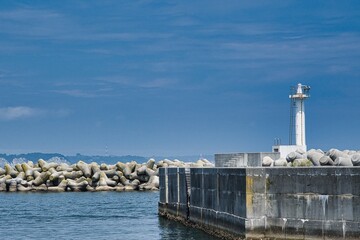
{"x": 243, "y": 159}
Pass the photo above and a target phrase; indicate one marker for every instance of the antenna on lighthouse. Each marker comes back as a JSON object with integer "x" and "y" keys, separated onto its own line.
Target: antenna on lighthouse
{"x": 297, "y": 114}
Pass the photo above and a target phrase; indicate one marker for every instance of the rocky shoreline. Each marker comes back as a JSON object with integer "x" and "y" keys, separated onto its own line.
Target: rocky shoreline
{"x": 60, "y": 177}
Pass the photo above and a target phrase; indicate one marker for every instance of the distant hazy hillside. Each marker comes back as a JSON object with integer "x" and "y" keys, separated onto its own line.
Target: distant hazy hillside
{"x": 72, "y": 159}
{"x": 15, "y": 158}
{"x": 30, "y": 156}
{"x": 106, "y": 159}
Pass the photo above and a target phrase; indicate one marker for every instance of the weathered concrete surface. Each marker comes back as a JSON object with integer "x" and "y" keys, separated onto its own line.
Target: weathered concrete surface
{"x": 265, "y": 203}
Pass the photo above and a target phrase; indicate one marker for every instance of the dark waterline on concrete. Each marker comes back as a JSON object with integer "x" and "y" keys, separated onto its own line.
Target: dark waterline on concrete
{"x": 85, "y": 215}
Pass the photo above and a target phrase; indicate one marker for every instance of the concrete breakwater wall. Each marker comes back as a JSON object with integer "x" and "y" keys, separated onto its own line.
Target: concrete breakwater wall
{"x": 265, "y": 203}
{"x": 60, "y": 177}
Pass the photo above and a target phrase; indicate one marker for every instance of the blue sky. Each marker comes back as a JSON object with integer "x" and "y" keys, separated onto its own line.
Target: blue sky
{"x": 175, "y": 77}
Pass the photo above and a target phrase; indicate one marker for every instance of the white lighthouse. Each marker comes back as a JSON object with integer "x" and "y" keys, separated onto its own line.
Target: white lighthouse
{"x": 298, "y": 99}
{"x": 297, "y": 121}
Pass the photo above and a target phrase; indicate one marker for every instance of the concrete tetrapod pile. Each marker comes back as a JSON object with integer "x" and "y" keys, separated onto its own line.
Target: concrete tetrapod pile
{"x": 81, "y": 176}
{"x": 316, "y": 157}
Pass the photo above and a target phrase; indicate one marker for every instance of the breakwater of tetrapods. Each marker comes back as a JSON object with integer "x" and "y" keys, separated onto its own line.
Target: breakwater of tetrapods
{"x": 59, "y": 176}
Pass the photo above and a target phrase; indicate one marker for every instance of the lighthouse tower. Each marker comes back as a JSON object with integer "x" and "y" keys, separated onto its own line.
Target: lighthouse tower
{"x": 297, "y": 97}
{"x": 298, "y": 108}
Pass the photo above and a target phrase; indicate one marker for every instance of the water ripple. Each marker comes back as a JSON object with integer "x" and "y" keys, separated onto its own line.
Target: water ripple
{"x": 87, "y": 215}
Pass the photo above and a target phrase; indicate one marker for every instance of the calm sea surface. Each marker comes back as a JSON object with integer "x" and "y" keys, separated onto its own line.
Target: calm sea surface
{"x": 87, "y": 215}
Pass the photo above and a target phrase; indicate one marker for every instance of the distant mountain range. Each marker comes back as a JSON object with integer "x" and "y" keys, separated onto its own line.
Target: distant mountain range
{"x": 14, "y": 158}
{"x": 71, "y": 159}
{"x": 106, "y": 159}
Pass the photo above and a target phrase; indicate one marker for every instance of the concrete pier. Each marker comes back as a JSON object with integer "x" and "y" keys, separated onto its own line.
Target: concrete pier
{"x": 265, "y": 203}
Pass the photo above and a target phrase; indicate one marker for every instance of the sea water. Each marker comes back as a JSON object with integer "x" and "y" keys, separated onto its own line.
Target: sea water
{"x": 88, "y": 215}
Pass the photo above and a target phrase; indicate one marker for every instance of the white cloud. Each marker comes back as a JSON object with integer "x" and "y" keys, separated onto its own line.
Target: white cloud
{"x": 21, "y": 112}
{"x": 76, "y": 93}
{"x": 11, "y": 113}
{"x": 158, "y": 83}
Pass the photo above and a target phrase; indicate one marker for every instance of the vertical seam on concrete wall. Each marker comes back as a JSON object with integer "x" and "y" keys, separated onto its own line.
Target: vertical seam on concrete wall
{"x": 203, "y": 190}
{"x": 178, "y": 185}
{"x": 188, "y": 191}
{"x": 166, "y": 186}
{"x": 188, "y": 181}
{"x": 217, "y": 189}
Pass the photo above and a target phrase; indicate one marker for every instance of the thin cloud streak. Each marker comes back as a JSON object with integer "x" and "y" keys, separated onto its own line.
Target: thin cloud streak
{"x": 76, "y": 93}
{"x": 46, "y": 24}
{"x": 85, "y": 93}
{"x": 326, "y": 49}
{"x": 139, "y": 83}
